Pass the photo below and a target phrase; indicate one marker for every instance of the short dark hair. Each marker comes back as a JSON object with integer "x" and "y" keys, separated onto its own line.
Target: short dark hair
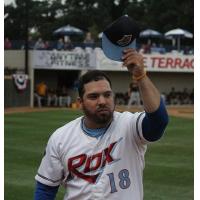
{"x": 94, "y": 75}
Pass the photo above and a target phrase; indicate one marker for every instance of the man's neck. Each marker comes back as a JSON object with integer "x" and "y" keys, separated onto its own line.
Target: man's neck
{"x": 92, "y": 125}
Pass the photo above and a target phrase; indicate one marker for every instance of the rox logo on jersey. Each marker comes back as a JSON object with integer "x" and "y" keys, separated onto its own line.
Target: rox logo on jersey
{"x": 82, "y": 164}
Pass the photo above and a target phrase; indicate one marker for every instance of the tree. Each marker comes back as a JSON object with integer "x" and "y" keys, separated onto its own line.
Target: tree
{"x": 39, "y": 14}
{"x": 95, "y": 15}
{"x": 164, "y": 15}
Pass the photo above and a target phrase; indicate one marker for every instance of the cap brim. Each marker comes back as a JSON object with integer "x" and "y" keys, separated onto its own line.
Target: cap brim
{"x": 112, "y": 51}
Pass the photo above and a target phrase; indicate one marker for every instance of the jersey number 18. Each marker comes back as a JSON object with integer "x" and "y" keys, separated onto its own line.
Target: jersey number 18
{"x": 124, "y": 180}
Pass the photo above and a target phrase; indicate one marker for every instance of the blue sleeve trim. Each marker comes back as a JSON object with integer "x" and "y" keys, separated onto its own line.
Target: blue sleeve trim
{"x": 45, "y": 192}
{"x": 137, "y": 124}
{"x": 154, "y": 124}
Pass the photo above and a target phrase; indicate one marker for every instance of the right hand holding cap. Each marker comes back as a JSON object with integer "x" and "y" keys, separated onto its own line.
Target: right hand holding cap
{"x": 134, "y": 63}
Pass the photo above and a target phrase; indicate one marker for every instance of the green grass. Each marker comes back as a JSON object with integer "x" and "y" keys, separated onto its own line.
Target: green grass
{"x": 169, "y": 163}
{"x": 168, "y": 173}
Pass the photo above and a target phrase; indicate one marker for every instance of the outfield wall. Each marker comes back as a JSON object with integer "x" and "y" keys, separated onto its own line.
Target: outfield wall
{"x": 14, "y": 97}
{"x": 164, "y": 81}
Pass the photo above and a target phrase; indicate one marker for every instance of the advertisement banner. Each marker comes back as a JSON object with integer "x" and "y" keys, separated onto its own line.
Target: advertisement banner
{"x": 153, "y": 62}
{"x": 63, "y": 60}
{"x": 169, "y": 63}
{"x": 96, "y": 59}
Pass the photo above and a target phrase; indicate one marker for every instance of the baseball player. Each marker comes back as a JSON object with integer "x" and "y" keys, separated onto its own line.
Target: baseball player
{"x": 134, "y": 95}
{"x": 100, "y": 155}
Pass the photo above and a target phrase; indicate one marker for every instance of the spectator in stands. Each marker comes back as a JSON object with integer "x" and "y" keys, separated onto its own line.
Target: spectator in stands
{"x": 39, "y": 45}
{"x": 88, "y": 41}
{"x": 126, "y": 98}
{"x": 68, "y": 44}
{"x": 7, "y": 43}
{"x": 40, "y": 93}
{"x": 142, "y": 49}
{"x": 47, "y": 45}
{"x": 173, "y": 97}
{"x": 119, "y": 98}
{"x": 64, "y": 98}
{"x": 52, "y": 98}
{"x": 31, "y": 43}
{"x": 162, "y": 49}
{"x": 185, "y": 96}
{"x": 60, "y": 44}
{"x": 154, "y": 48}
{"x": 75, "y": 85}
{"x": 145, "y": 49}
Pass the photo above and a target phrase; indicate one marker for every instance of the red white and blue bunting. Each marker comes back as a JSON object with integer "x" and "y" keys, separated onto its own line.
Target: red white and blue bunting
{"x": 21, "y": 81}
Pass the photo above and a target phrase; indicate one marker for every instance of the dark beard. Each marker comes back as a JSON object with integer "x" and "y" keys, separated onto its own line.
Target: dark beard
{"x": 99, "y": 118}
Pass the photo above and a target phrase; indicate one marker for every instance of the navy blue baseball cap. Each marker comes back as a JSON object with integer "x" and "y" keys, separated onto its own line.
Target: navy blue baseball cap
{"x": 119, "y": 35}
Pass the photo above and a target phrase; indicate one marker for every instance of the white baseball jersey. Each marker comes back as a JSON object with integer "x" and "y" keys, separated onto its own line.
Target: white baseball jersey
{"x": 109, "y": 167}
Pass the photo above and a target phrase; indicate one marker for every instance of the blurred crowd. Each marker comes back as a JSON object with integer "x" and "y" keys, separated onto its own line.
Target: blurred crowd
{"x": 62, "y": 43}
{"x": 45, "y": 96}
{"x": 65, "y": 43}
{"x": 174, "y": 97}
{"x": 61, "y": 97}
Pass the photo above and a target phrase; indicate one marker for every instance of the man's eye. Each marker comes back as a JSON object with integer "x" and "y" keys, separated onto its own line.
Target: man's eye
{"x": 107, "y": 95}
{"x": 94, "y": 96}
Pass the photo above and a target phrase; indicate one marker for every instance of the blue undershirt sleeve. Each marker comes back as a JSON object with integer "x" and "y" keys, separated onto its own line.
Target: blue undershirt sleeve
{"x": 154, "y": 124}
{"x": 45, "y": 192}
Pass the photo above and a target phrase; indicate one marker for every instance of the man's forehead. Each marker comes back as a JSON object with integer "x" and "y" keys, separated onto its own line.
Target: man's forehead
{"x": 97, "y": 86}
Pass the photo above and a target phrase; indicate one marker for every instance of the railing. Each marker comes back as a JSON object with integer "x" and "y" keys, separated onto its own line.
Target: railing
{"x": 20, "y": 44}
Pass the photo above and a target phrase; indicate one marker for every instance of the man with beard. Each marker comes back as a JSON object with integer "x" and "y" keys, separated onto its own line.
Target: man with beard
{"x": 100, "y": 155}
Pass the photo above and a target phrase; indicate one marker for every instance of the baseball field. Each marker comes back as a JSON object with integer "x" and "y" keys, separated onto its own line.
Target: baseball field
{"x": 168, "y": 174}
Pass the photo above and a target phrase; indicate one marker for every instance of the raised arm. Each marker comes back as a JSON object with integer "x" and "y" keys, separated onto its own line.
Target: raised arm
{"x": 156, "y": 117}
{"x": 149, "y": 93}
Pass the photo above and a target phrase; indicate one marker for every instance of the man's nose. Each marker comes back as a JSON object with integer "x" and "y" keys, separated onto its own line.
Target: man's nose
{"x": 101, "y": 99}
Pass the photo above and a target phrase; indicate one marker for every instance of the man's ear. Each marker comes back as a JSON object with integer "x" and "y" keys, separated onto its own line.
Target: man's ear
{"x": 80, "y": 101}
